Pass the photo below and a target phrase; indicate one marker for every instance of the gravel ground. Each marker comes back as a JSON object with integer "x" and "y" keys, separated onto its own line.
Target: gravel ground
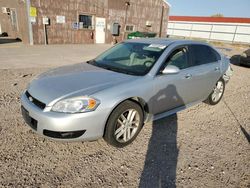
{"x": 203, "y": 146}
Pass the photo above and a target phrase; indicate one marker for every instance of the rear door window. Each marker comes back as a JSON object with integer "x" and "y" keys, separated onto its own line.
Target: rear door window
{"x": 202, "y": 54}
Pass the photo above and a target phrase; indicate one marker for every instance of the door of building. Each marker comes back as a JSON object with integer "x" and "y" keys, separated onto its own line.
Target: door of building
{"x": 100, "y": 25}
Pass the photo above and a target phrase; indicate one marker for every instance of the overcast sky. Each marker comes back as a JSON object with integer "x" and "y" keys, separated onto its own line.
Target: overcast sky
{"x": 229, "y": 8}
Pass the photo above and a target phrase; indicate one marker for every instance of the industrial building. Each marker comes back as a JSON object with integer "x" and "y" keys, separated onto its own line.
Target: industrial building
{"x": 227, "y": 29}
{"x": 81, "y": 21}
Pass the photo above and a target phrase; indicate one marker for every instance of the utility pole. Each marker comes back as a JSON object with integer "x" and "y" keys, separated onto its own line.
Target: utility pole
{"x": 127, "y": 3}
{"x": 29, "y": 22}
{"x": 162, "y": 13}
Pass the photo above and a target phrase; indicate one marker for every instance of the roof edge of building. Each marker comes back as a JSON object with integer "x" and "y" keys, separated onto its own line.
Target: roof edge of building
{"x": 209, "y": 19}
{"x": 167, "y": 3}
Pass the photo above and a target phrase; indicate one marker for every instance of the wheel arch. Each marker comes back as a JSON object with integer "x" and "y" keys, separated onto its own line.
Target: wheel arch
{"x": 138, "y": 100}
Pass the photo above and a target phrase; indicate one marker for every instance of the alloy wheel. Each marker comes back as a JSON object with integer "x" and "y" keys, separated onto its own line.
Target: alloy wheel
{"x": 218, "y": 91}
{"x": 127, "y": 125}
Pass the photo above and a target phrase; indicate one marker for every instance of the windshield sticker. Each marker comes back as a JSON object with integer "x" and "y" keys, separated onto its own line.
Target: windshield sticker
{"x": 155, "y": 47}
{"x": 160, "y": 46}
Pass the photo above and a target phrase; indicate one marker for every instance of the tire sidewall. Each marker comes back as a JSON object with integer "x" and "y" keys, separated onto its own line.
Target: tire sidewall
{"x": 110, "y": 128}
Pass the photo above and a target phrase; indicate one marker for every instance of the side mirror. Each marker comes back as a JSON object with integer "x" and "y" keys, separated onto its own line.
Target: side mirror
{"x": 170, "y": 69}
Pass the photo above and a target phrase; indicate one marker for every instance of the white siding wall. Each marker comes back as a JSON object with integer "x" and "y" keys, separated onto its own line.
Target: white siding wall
{"x": 232, "y": 32}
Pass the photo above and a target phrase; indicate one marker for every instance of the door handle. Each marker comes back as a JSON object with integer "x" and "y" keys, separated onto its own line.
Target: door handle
{"x": 216, "y": 68}
{"x": 188, "y": 76}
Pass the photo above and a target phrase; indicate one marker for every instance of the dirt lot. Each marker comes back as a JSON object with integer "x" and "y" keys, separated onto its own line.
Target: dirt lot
{"x": 203, "y": 146}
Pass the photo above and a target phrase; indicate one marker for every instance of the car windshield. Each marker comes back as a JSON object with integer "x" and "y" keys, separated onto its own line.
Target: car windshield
{"x": 130, "y": 58}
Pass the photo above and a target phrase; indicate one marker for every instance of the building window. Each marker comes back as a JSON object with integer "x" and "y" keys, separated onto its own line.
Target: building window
{"x": 129, "y": 28}
{"x": 85, "y": 21}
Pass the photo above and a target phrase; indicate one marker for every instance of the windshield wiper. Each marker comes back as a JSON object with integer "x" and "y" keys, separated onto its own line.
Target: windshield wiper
{"x": 115, "y": 69}
{"x": 122, "y": 71}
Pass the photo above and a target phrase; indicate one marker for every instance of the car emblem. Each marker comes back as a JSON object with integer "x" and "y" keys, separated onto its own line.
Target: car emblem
{"x": 30, "y": 99}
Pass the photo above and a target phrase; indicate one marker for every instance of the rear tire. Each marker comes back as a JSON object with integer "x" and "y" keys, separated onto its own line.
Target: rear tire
{"x": 217, "y": 93}
{"x": 124, "y": 124}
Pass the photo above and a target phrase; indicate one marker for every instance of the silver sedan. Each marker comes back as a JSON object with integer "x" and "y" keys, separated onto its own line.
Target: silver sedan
{"x": 115, "y": 94}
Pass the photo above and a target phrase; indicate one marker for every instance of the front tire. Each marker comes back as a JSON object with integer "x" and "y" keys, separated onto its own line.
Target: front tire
{"x": 124, "y": 124}
{"x": 217, "y": 93}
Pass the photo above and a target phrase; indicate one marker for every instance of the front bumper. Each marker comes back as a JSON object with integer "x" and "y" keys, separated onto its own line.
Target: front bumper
{"x": 61, "y": 126}
{"x": 228, "y": 74}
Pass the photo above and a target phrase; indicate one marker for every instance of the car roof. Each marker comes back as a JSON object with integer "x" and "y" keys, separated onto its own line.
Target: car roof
{"x": 165, "y": 41}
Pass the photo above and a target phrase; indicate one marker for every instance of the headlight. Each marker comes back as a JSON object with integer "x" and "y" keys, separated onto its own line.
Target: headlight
{"x": 76, "y": 105}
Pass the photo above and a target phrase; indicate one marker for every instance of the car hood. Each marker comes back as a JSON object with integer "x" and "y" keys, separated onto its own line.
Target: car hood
{"x": 80, "y": 79}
